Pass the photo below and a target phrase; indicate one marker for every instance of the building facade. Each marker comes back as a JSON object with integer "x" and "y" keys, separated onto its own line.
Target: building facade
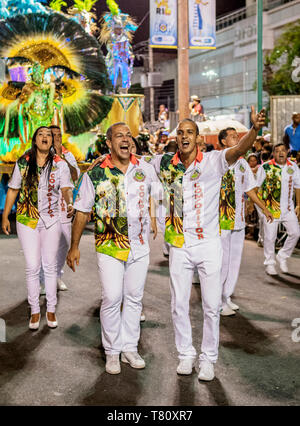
{"x": 225, "y": 78}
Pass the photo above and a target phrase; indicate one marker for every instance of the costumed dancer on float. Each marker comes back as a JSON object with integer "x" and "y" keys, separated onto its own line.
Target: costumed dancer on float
{"x": 118, "y": 191}
{"x": 39, "y": 176}
{"x": 116, "y": 33}
{"x": 276, "y": 181}
{"x": 64, "y": 84}
{"x": 65, "y": 219}
{"x": 238, "y": 180}
{"x": 192, "y": 182}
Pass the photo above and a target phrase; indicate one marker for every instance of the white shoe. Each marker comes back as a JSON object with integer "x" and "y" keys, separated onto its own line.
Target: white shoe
{"x": 143, "y": 317}
{"x": 61, "y": 285}
{"x": 282, "y": 264}
{"x": 112, "y": 365}
{"x": 134, "y": 359}
{"x": 34, "y": 325}
{"x": 226, "y": 311}
{"x": 51, "y": 324}
{"x": 42, "y": 290}
{"x": 206, "y": 371}
{"x": 185, "y": 366}
{"x": 232, "y": 305}
{"x": 271, "y": 270}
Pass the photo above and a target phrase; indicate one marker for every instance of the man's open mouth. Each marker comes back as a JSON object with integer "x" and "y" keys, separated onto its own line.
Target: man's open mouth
{"x": 124, "y": 148}
{"x": 185, "y": 144}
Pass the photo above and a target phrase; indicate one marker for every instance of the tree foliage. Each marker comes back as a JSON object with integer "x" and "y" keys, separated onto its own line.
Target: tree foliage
{"x": 278, "y": 63}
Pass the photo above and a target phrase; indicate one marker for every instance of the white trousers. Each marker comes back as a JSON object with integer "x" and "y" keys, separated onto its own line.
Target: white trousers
{"x": 232, "y": 245}
{"x": 40, "y": 247}
{"x": 260, "y": 224}
{"x": 121, "y": 282}
{"x": 63, "y": 248}
{"x": 207, "y": 258}
{"x": 291, "y": 224}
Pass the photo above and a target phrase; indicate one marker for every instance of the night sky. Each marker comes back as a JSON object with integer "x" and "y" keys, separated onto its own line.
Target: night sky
{"x": 139, "y": 8}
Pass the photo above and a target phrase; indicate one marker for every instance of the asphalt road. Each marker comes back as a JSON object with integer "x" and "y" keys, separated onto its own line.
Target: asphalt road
{"x": 258, "y": 362}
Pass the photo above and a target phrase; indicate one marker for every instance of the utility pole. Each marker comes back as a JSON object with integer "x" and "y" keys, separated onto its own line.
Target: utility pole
{"x": 151, "y": 69}
{"x": 183, "y": 59}
{"x": 259, "y": 54}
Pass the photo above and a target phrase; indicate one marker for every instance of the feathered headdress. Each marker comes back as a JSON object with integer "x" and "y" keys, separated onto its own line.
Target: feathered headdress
{"x": 115, "y": 18}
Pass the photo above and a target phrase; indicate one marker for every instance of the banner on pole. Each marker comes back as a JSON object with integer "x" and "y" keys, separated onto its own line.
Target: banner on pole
{"x": 163, "y": 23}
{"x": 202, "y": 24}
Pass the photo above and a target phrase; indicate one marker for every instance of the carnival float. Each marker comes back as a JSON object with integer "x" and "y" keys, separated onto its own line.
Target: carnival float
{"x": 52, "y": 71}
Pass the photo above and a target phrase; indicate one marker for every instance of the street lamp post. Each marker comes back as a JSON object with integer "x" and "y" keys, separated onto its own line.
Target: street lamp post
{"x": 183, "y": 60}
{"x": 259, "y": 54}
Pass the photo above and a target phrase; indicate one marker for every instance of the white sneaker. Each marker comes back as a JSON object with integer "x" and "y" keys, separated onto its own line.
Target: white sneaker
{"x": 42, "y": 290}
{"x": 226, "y": 311}
{"x": 185, "y": 366}
{"x": 206, "y": 371}
{"x": 61, "y": 285}
{"x": 282, "y": 263}
{"x": 232, "y": 305}
{"x": 112, "y": 365}
{"x": 134, "y": 359}
{"x": 143, "y": 317}
{"x": 271, "y": 270}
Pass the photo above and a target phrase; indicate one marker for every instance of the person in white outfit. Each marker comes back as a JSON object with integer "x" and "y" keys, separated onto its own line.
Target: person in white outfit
{"x": 192, "y": 182}
{"x": 65, "y": 221}
{"x": 118, "y": 190}
{"x": 39, "y": 176}
{"x": 277, "y": 180}
{"x": 237, "y": 181}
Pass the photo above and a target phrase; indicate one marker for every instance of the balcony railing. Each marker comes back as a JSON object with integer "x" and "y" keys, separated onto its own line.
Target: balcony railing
{"x": 243, "y": 13}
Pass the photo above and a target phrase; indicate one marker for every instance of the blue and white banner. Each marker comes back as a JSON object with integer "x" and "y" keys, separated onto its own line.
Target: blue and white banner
{"x": 163, "y": 23}
{"x": 202, "y": 24}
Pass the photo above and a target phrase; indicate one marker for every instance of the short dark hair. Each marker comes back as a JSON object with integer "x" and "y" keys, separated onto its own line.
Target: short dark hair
{"x": 54, "y": 127}
{"x": 209, "y": 147}
{"x": 110, "y": 129}
{"x": 223, "y": 134}
{"x": 137, "y": 145}
{"x": 276, "y": 145}
{"x": 190, "y": 121}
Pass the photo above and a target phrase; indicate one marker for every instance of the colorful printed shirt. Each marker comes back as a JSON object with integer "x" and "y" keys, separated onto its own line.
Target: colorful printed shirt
{"x": 120, "y": 204}
{"x": 276, "y": 186}
{"x": 238, "y": 180}
{"x": 42, "y": 199}
{"x": 192, "y": 196}
{"x": 63, "y": 205}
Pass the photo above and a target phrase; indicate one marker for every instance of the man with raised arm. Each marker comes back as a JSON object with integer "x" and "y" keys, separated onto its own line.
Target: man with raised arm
{"x": 192, "y": 181}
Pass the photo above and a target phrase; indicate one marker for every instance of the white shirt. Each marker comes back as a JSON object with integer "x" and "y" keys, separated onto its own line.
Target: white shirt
{"x": 201, "y": 184}
{"x": 63, "y": 205}
{"x": 290, "y": 180}
{"x": 135, "y": 187}
{"x": 48, "y": 191}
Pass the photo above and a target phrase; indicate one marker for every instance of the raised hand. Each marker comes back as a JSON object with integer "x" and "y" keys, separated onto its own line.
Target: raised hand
{"x": 258, "y": 119}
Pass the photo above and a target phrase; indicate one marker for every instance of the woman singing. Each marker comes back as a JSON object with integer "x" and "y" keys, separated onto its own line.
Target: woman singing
{"x": 38, "y": 176}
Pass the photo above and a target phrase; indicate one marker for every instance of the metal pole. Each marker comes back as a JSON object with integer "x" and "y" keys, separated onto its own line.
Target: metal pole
{"x": 151, "y": 69}
{"x": 259, "y": 54}
{"x": 183, "y": 59}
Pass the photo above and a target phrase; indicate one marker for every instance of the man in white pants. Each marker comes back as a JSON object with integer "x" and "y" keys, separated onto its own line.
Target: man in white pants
{"x": 118, "y": 191}
{"x": 65, "y": 222}
{"x": 237, "y": 181}
{"x": 192, "y": 181}
{"x": 276, "y": 180}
